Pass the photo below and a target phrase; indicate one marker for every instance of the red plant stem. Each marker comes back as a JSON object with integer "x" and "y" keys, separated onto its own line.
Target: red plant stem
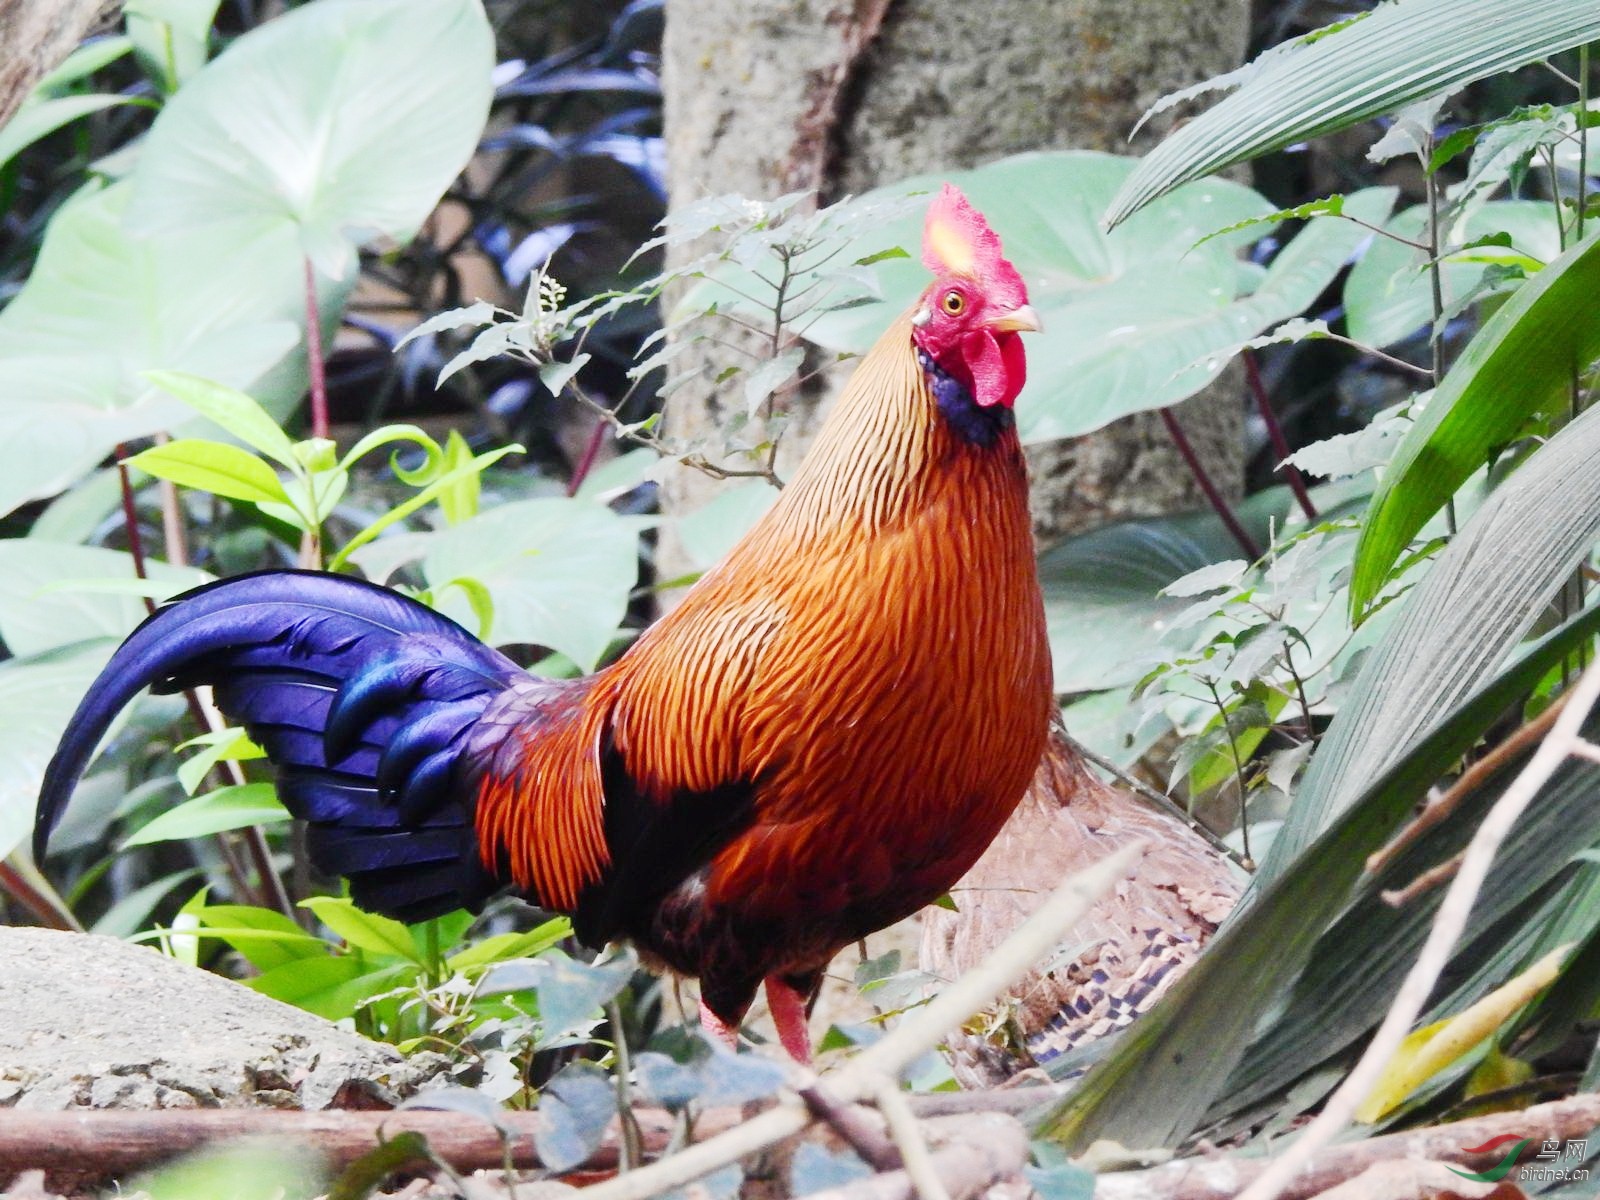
{"x": 1280, "y": 444}
{"x": 1218, "y": 502}
{"x": 314, "y": 364}
{"x": 130, "y": 518}
{"x": 597, "y": 437}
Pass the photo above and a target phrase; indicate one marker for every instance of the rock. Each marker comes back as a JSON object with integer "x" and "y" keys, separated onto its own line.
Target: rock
{"x": 92, "y": 1022}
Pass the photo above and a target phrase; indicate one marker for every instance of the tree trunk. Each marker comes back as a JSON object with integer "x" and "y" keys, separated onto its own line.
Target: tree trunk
{"x": 35, "y": 35}
{"x": 766, "y": 96}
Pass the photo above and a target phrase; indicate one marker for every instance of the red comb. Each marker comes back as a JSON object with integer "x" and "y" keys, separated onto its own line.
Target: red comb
{"x": 956, "y": 240}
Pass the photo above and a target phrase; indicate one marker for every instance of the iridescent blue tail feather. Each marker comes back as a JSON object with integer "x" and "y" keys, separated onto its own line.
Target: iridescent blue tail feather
{"x": 364, "y": 700}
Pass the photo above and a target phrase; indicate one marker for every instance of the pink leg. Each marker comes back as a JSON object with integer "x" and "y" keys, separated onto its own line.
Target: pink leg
{"x": 789, "y": 1015}
{"x": 713, "y": 1025}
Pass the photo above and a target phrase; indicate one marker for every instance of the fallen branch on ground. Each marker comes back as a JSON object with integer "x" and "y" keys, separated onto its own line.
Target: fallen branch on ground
{"x": 1222, "y": 1176}
{"x": 106, "y": 1143}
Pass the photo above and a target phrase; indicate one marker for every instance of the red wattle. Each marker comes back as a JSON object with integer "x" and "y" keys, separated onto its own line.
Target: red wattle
{"x": 998, "y": 365}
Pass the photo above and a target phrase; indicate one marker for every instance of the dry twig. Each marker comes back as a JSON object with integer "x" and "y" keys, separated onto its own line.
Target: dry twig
{"x": 1221, "y": 1176}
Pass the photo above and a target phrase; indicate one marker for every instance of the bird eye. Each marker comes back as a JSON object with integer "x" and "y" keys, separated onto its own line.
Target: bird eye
{"x": 953, "y": 303}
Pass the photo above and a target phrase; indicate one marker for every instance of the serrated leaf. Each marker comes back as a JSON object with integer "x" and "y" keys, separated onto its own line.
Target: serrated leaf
{"x": 556, "y": 375}
{"x": 1174, "y": 1064}
{"x": 235, "y": 807}
{"x": 1403, "y": 52}
{"x": 760, "y": 384}
{"x": 1328, "y": 206}
{"x": 479, "y": 312}
{"x": 1388, "y": 294}
{"x": 1210, "y": 578}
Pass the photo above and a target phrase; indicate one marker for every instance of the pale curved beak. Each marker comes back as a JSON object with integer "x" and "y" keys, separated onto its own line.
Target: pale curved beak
{"x": 1018, "y": 320}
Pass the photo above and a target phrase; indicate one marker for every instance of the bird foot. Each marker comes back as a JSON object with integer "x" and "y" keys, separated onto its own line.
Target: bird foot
{"x": 717, "y": 1028}
{"x": 788, "y": 1009}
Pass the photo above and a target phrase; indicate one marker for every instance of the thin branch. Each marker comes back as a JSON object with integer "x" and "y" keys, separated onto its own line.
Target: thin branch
{"x": 1448, "y": 924}
{"x": 315, "y": 369}
{"x": 1238, "y": 769}
{"x": 1161, "y": 801}
{"x": 908, "y": 1137}
{"x": 1474, "y": 777}
{"x": 1424, "y": 883}
{"x": 850, "y": 1124}
{"x": 1280, "y": 444}
{"x": 1381, "y": 355}
{"x": 1218, "y": 502}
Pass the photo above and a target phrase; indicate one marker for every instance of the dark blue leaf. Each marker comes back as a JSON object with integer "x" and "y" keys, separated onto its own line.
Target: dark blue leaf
{"x": 730, "y": 1078}
{"x": 669, "y": 1083}
{"x": 574, "y": 1109}
{"x": 814, "y": 1169}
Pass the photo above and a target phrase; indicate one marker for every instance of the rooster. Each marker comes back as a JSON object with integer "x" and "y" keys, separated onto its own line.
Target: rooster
{"x": 818, "y": 741}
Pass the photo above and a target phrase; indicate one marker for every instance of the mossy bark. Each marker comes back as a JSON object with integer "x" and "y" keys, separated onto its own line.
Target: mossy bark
{"x": 764, "y": 96}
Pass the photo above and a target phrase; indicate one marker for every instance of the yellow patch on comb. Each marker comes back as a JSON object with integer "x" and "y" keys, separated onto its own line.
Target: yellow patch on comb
{"x": 951, "y": 246}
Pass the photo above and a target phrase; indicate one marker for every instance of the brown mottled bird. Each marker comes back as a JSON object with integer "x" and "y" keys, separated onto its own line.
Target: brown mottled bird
{"x": 819, "y": 740}
{"x": 1114, "y": 964}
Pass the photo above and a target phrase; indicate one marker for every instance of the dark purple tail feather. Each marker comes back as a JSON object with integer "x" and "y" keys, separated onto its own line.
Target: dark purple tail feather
{"x": 364, "y": 700}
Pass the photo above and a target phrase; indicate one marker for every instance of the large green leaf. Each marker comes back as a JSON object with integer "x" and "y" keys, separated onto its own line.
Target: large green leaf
{"x": 38, "y": 696}
{"x": 1479, "y": 599}
{"x": 101, "y": 308}
{"x": 558, "y": 572}
{"x": 339, "y": 120}
{"x": 1167, "y": 1071}
{"x": 1137, "y": 319}
{"x": 1403, "y": 51}
{"x": 1521, "y": 364}
{"x": 43, "y": 608}
{"x": 1388, "y": 296}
